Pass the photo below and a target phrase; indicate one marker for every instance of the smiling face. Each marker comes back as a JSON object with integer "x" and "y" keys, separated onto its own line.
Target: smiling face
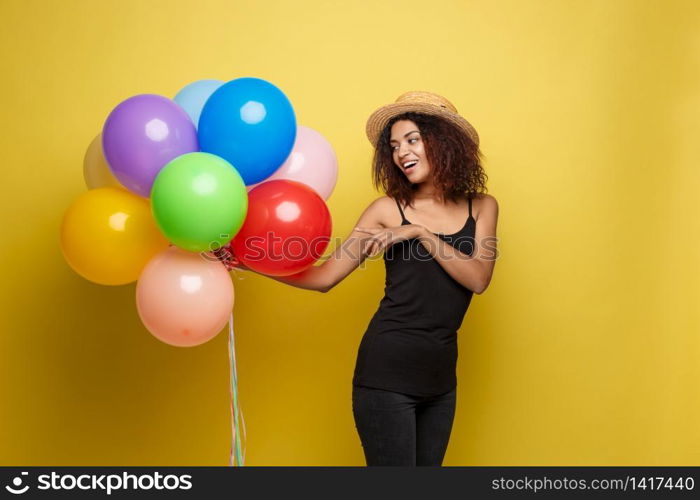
{"x": 408, "y": 151}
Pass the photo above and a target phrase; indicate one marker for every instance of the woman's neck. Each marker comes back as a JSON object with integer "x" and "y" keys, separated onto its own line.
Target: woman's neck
{"x": 427, "y": 191}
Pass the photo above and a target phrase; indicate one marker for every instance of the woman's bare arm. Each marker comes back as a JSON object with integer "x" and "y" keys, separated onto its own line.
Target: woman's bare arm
{"x": 473, "y": 272}
{"x": 344, "y": 260}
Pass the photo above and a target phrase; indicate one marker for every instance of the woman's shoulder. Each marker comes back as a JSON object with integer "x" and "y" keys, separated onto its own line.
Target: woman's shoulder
{"x": 382, "y": 203}
{"x": 484, "y": 198}
{"x": 484, "y": 203}
{"x": 382, "y": 210}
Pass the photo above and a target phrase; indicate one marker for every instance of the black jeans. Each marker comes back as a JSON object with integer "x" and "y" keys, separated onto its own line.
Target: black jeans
{"x": 398, "y": 429}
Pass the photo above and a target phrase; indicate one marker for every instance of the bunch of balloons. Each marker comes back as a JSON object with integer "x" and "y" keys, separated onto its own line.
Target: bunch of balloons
{"x": 173, "y": 182}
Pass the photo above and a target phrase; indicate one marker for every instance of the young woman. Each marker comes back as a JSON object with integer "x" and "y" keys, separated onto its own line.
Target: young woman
{"x": 437, "y": 229}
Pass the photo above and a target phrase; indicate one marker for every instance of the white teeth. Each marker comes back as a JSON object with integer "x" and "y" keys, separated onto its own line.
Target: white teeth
{"x": 409, "y": 164}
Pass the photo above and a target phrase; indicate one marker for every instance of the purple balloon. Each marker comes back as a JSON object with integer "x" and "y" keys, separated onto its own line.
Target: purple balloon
{"x": 141, "y": 135}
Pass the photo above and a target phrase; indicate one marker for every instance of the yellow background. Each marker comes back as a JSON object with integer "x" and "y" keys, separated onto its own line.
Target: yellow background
{"x": 585, "y": 349}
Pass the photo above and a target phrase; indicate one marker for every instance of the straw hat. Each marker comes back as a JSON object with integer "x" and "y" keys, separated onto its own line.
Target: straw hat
{"x": 419, "y": 102}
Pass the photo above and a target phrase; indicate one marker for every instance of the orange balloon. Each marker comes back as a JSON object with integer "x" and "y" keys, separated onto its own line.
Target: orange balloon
{"x": 108, "y": 235}
{"x": 95, "y": 168}
{"x": 184, "y": 298}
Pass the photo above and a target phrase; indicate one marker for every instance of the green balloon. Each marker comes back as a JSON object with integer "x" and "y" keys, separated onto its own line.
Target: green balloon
{"x": 199, "y": 201}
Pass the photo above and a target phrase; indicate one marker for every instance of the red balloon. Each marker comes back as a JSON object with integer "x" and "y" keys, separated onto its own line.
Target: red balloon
{"x": 286, "y": 230}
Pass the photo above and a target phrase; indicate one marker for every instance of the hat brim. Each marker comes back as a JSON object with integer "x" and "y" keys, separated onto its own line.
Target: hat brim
{"x": 382, "y": 116}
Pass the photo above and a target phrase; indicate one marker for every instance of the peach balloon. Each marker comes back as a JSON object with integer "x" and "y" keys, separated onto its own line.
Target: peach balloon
{"x": 184, "y": 299}
{"x": 311, "y": 162}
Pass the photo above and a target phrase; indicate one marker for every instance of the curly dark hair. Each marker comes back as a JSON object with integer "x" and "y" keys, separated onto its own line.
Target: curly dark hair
{"x": 453, "y": 156}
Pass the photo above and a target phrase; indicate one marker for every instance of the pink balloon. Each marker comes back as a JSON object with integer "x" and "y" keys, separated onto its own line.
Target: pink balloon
{"x": 184, "y": 298}
{"x": 311, "y": 162}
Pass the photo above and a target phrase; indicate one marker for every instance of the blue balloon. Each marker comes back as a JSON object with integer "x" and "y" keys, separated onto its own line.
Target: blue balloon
{"x": 251, "y": 124}
{"x": 193, "y": 96}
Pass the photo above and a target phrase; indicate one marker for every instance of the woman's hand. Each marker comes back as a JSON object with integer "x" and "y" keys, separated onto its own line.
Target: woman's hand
{"x": 383, "y": 238}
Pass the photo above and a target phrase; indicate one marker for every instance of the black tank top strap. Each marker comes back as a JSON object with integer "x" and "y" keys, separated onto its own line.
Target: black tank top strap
{"x": 403, "y": 217}
{"x": 469, "y": 198}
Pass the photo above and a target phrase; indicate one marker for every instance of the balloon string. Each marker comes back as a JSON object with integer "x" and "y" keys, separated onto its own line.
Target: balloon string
{"x": 232, "y": 393}
{"x": 227, "y": 258}
{"x": 235, "y": 407}
{"x": 235, "y": 387}
{"x": 230, "y": 389}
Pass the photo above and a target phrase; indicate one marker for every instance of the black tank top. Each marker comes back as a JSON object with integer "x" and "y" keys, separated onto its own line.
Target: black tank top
{"x": 410, "y": 345}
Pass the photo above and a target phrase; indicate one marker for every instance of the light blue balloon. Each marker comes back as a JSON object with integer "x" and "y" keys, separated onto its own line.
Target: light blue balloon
{"x": 250, "y": 123}
{"x": 193, "y": 96}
